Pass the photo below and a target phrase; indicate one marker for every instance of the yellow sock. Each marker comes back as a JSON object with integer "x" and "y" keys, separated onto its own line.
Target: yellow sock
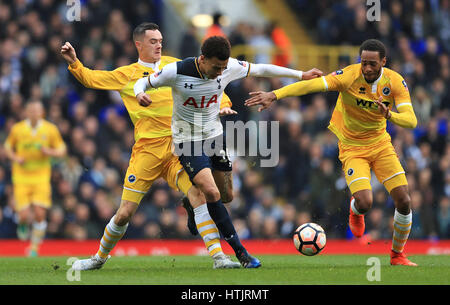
{"x": 402, "y": 227}
{"x": 113, "y": 233}
{"x": 208, "y": 230}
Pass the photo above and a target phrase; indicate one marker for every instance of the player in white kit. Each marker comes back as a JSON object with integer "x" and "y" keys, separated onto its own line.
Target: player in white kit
{"x": 197, "y": 86}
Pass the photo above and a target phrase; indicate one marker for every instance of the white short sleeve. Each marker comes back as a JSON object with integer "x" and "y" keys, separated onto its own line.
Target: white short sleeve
{"x": 239, "y": 69}
{"x": 164, "y": 77}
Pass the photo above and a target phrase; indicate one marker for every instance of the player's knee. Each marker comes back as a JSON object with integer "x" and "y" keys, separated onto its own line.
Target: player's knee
{"x": 196, "y": 197}
{"x": 211, "y": 193}
{"x": 210, "y": 190}
{"x": 23, "y": 216}
{"x": 403, "y": 204}
{"x": 122, "y": 218}
{"x": 124, "y": 213}
{"x": 363, "y": 203}
{"x": 40, "y": 214}
{"x": 40, "y": 217}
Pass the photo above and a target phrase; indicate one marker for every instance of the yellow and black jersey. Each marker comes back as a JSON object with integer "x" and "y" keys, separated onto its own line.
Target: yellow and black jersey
{"x": 356, "y": 119}
{"x": 150, "y": 122}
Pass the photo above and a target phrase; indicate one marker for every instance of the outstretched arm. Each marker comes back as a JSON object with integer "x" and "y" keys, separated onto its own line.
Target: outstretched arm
{"x": 95, "y": 79}
{"x": 339, "y": 80}
{"x": 299, "y": 88}
{"x": 268, "y": 70}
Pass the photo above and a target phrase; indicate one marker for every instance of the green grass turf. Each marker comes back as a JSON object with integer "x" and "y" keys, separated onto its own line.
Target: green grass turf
{"x": 197, "y": 270}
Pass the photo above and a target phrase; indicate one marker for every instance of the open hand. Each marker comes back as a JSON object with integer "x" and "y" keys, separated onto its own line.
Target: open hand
{"x": 226, "y": 111}
{"x": 260, "y": 98}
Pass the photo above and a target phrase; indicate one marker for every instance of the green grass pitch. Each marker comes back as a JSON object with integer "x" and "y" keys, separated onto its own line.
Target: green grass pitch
{"x": 197, "y": 270}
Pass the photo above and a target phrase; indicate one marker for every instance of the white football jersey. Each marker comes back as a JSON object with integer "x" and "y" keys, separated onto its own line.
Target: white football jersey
{"x": 196, "y": 99}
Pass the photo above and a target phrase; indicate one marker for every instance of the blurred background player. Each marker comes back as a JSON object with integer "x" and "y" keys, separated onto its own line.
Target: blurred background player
{"x": 216, "y": 28}
{"x": 151, "y": 157}
{"x": 367, "y": 93}
{"x": 30, "y": 146}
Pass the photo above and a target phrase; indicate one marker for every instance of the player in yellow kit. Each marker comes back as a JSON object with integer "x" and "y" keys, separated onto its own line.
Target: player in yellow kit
{"x": 151, "y": 156}
{"x": 367, "y": 94}
{"x": 30, "y": 145}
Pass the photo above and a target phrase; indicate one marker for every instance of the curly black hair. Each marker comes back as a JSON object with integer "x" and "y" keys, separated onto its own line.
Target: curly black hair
{"x": 216, "y": 46}
{"x": 373, "y": 45}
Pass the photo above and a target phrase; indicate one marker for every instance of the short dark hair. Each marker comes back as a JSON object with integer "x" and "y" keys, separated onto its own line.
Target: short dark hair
{"x": 140, "y": 29}
{"x": 373, "y": 45}
{"x": 216, "y": 46}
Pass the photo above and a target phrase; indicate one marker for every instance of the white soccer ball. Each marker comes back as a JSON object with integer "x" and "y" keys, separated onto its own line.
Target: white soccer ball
{"x": 309, "y": 239}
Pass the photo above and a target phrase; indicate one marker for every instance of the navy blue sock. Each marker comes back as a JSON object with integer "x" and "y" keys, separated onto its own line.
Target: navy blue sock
{"x": 219, "y": 214}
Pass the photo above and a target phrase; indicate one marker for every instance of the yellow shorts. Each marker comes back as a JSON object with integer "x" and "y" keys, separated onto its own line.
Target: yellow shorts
{"x": 152, "y": 159}
{"x": 25, "y": 194}
{"x": 357, "y": 161}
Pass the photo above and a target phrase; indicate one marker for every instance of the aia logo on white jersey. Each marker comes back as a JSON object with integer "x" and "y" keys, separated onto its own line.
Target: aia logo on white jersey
{"x": 200, "y": 104}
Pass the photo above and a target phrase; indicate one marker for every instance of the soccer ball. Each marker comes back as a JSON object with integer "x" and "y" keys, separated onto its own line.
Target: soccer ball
{"x": 309, "y": 239}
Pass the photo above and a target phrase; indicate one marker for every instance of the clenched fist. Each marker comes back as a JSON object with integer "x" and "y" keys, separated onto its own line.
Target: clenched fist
{"x": 143, "y": 99}
{"x": 68, "y": 53}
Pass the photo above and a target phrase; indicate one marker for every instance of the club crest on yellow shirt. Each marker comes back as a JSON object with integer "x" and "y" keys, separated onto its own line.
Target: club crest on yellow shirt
{"x": 131, "y": 178}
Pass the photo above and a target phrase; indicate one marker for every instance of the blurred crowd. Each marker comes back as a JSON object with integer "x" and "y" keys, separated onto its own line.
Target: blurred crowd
{"x": 307, "y": 185}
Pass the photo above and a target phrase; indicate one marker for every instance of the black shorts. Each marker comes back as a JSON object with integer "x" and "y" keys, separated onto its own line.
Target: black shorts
{"x": 196, "y": 156}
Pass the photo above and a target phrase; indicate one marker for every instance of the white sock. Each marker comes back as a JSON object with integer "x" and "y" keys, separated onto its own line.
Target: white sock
{"x": 352, "y": 204}
{"x": 402, "y": 227}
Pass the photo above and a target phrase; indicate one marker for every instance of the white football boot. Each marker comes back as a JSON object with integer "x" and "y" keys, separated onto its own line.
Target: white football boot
{"x": 95, "y": 262}
{"x": 222, "y": 261}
